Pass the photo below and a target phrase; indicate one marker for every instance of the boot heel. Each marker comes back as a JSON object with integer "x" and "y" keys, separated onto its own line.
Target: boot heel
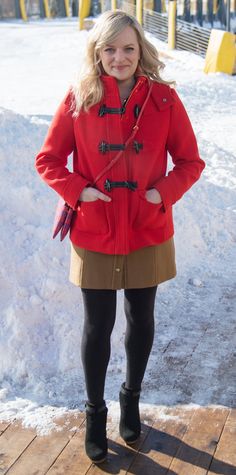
{"x": 96, "y": 439}
{"x": 130, "y": 424}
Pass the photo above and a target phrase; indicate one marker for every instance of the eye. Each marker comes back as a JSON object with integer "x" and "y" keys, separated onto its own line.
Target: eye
{"x": 109, "y": 50}
{"x": 129, "y": 48}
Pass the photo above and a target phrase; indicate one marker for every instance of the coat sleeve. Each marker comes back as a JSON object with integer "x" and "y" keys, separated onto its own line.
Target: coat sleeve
{"x": 51, "y": 162}
{"x": 182, "y": 146}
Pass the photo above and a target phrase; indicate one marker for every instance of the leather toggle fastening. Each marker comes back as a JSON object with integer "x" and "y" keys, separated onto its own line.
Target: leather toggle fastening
{"x": 106, "y": 147}
{"x": 137, "y": 109}
{"x": 110, "y": 110}
{"x": 137, "y": 146}
{"x": 131, "y": 185}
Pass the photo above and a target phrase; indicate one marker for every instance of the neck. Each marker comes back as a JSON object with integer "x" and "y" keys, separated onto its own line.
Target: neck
{"x": 125, "y": 87}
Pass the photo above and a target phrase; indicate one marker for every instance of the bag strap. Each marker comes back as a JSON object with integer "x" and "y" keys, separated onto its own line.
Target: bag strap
{"x": 131, "y": 137}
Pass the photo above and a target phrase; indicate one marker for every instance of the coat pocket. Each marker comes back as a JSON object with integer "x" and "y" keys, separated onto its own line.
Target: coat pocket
{"x": 149, "y": 215}
{"x": 92, "y": 217}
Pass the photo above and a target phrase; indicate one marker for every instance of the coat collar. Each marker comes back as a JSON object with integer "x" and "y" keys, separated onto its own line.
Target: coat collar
{"x": 161, "y": 93}
{"x": 111, "y": 85}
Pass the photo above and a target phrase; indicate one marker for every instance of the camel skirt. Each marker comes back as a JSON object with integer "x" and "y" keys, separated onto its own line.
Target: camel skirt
{"x": 146, "y": 267}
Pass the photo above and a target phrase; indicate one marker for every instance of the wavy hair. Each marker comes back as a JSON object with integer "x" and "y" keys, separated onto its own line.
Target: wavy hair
{"x": 88, "y": 90}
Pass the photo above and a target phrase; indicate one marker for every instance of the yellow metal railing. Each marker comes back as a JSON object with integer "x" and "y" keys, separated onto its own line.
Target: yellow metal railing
{"x": 139, "y": 11}
{"x": 171, "y": 23}
{"x": 140, "y": 5}
{"x": 221, "y": 52}
{"x": 46, "y": 8}
{"x": 67, "y": 7}
{"x": 23, "y": 10}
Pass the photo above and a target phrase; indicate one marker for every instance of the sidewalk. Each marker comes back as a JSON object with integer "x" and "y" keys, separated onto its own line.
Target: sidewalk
{"x": 198, "y": 441}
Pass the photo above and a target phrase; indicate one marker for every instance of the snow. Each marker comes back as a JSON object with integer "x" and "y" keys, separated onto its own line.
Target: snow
{"x": 193, "y": 361}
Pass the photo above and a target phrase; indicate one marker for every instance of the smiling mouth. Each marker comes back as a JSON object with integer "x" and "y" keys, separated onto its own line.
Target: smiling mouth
{"x": 120, "y": 68}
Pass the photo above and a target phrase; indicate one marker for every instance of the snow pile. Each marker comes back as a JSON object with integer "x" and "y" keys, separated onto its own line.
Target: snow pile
{"x": 193, "y": 360}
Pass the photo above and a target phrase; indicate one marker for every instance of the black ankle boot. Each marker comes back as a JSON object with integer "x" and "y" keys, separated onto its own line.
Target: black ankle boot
{"x": 130, "y": 425}
{"x": 95, "y": 439}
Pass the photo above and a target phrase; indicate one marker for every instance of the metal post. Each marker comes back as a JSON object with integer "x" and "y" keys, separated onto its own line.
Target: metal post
{"x": 113, "y": 5}
{"x": 187, "y": 14}
{"x": 171, "y": 24}
{"x": 75, "y": 8}
{"x": 228, "y": 16}
{"x": 84, "y": 10}
{"x": 199, "y": 12}
{"x": 210, "y": 12}
{"x": 17, "y": 9}
{"x": 23, "y": 10}
{"x": 139, "y": 11}
{"x": 46, "y": 8}
{"x": 67, "y": 7}
{"x": 157, "y": 6}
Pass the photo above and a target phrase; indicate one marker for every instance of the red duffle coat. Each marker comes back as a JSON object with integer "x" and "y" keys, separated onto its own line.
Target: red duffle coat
{"x": 129, "y": 221}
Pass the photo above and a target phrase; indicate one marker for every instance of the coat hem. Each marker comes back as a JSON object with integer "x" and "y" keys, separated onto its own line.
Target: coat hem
{"x": 98, "y": 246}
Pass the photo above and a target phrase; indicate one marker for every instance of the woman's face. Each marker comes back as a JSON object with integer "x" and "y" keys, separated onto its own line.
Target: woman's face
{"x": 120, "y": 58}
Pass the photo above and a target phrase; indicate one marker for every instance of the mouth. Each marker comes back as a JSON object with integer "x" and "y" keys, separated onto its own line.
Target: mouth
{"x": 120, "y": 68}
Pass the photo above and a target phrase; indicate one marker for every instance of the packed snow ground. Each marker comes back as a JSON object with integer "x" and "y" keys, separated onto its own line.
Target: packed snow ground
{"x": 193, "y": 359}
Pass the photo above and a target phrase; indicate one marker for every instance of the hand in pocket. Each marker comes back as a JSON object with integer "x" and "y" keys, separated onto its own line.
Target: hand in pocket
{"x": 92, "y": 194}
{"x": 153, "y": 196}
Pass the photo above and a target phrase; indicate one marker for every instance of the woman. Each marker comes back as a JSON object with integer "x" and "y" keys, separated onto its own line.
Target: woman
{"x": 122, "y": 231}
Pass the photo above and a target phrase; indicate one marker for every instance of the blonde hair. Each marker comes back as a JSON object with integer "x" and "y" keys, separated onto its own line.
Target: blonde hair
{"x": 88, "y": 90}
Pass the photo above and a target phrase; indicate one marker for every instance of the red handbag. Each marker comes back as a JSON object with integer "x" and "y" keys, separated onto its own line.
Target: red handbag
{"x": 64, "y": 213}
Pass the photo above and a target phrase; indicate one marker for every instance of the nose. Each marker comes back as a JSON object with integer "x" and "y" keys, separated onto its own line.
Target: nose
{"x": 119, "y": 55}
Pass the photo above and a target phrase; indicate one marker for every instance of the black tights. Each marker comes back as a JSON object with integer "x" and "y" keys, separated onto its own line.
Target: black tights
{"x": 99, "y": 319}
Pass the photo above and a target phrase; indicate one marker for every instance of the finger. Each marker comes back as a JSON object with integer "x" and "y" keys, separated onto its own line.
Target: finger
{"x": 103, "y": 197}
